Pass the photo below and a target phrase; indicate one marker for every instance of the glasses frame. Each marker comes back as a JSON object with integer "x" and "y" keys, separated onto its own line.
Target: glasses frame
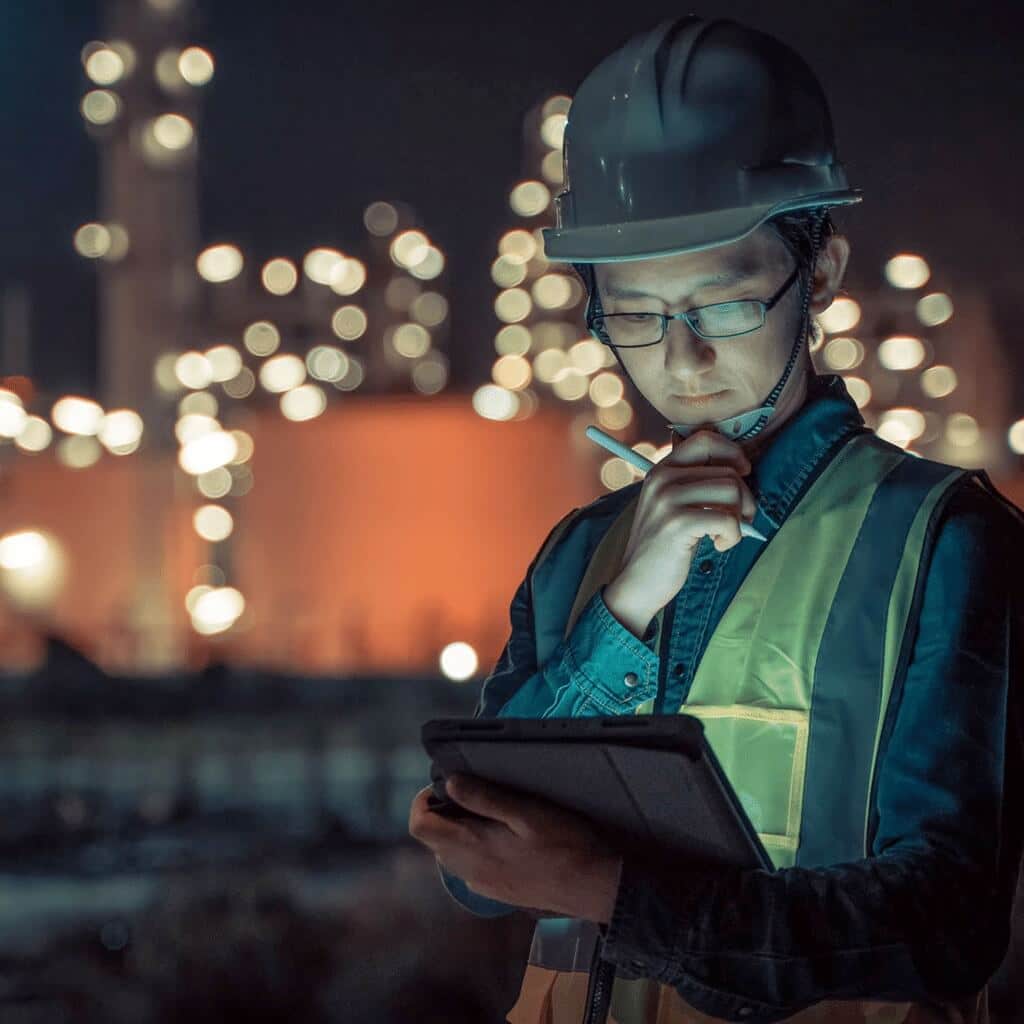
{"x": 765, "y": 304}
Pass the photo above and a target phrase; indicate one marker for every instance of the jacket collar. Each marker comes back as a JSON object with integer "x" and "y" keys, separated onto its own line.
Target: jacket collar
{"x": 802, "y": 445}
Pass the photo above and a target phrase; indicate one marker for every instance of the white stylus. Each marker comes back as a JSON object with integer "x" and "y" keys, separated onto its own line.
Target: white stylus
{"x": 644, "y": 464}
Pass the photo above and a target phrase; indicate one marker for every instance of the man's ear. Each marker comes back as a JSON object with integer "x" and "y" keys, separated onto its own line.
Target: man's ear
{"x": 829, "y": 273}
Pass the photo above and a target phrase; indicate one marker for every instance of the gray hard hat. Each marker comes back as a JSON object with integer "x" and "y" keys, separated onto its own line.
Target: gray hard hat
{"x": 690, "y": 136}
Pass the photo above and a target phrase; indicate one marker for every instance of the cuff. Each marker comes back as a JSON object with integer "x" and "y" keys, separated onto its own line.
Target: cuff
{"x": 647, "y": 930}
{"x": 615, "y": 669}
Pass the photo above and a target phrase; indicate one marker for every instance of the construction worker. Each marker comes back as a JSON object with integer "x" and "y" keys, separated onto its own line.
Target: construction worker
{"x": 852, "y": 674}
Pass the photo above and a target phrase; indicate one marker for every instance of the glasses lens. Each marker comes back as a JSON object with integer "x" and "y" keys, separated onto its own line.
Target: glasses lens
{"x": 625, "y": 329}
{"x": 725, "y": 318}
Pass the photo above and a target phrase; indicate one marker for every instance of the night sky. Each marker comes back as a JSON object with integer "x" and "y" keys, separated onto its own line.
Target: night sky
{"x": 316, "y": 109}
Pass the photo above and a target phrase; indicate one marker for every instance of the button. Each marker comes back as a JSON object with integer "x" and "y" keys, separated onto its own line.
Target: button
{"x": 631, "y": 679}
{"x": 680, "y": 669}
{"x": 706, "y": 566}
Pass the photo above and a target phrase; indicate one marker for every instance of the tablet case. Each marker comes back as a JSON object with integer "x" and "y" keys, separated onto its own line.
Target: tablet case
{"x": 652, "y": 782}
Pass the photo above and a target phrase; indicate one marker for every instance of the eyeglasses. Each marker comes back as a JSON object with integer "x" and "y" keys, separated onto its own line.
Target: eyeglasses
{"x": 720, "y": 320}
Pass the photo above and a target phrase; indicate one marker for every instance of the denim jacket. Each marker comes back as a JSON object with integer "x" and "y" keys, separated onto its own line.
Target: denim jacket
{"x": 927, "y": 914}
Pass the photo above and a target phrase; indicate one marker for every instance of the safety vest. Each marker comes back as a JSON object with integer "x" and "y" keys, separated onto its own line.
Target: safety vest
{"x": 800, "y": 667}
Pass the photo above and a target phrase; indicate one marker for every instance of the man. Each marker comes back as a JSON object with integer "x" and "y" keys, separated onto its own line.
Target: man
{"x": 852, "y": 675}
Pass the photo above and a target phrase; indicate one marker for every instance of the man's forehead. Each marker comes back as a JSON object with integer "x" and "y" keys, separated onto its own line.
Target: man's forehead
{"x": 722, "y": 265}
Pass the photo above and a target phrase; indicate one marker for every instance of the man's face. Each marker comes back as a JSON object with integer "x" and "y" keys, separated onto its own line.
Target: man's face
{"x": 741, "y": 369}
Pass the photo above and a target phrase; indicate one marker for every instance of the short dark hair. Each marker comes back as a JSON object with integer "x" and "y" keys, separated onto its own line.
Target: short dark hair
{"x": 796, "y": 230}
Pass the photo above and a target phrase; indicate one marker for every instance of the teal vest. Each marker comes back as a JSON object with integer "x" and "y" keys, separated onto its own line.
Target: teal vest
{"x": 796, "y": 676}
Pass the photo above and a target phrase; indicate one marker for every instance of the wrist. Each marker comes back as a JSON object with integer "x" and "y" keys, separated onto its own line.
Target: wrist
{"x": 635, "y": 619}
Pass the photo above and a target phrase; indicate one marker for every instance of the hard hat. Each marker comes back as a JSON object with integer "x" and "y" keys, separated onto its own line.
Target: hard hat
{"x": 690, "y": 136}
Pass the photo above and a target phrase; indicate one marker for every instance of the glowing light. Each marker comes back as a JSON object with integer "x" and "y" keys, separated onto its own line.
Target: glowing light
{"x": 261, "y": 338}
{"x": 616, "y": 473}
{"x": 552, "y": 291}
{"x": 552, "y": 130}
{"x": 325, "y": 362}
{"x": 430, "y": 374}
{"x": 458, "y": 661}
{"x": 513, "y": 340}
{"x": 22, "y": 550}
{"x": 548, "y": 364}
{"x": 283, "y": 372}
{"x": 193, "y": 370}
{"x": 92, "y": 240}
{"x": 529, "y": 198}
{"x": 167, "y": 72}
{"x": 513, "y": 305}
{"x": 241, "y": 386}
{"x": 207, "y": 452}
{"x": 570, "y": 384}
{"x": 214, "y": 484}
{"x": 380, "y": 219}
{"x": 495, "y": 403}
{"x": 245, "y": 444}
{"x": 606, "y": 389}
{"x": 105, "y": 66}
{"x": 319, "y": 263}
{"x": 12, "y": 414}
{"x": 217, "y": 610}
{"x": 172, "y": 131}
{"x": 200, "y": 403}
{"x": 907, "y": 271}
{"x": 962, "y": 430}
{"x": 303, "y": 403}
{"x": 220, "y": 263}
{"x": 279, "y": 276}
{"x": 551, "y": 167}
{"x": 507, "y": 272}
{"x": 119, "y": 243}
{"x": 353, "y": 377}
{"x": 617, "y": 417}
{"x": 78, "y": 452}
{"x": 192, "y": 425}
{"x": 347, "y": 276}
{"x": 859, "y": 390}
{"x": 900, "y": 426}
{"x": 77, "y": 415}
{"x": 100, "y": 106}
{"x": 409, "y": 248}
{"x": 842, "y": 315}
{"x": 938, "y": 381}
{"x": 587, "y": 355}
{"x": 512, "y": 372}
{"x": 517, "y": 246}
{"x": 225, "y": 362}
{"x": 430, "y": 266}
{"x": 934, "y": 309}
{"x": 411, "y": 340}
{"x": 1015, "y": 437}
{"x": 35, "y": 435}
{"x": 213, "y": 522}
{"x": 164, "y": 377}
{"x": 195, "y": 65}
{"x": 430, "y": 309}
{"x": 120, "y": 430}
{"x": 843, "y": 354}
{"x": 901, "y": 353}
{"x": 349, "y": 323}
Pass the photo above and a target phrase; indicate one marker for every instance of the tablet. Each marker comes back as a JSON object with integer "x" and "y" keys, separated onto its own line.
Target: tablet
{"x": 650, "y": 781}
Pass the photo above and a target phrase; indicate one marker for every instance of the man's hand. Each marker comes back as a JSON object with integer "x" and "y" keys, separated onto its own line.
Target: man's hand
{"x": 528, "y": 852}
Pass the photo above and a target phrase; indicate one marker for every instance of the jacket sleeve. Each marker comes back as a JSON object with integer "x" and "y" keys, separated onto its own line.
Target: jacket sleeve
{"x": 927, "y": 914}
{"x": 571, "y": 682}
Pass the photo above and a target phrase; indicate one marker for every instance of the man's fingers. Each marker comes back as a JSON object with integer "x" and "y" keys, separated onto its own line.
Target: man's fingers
{"x": 489, "y": 801}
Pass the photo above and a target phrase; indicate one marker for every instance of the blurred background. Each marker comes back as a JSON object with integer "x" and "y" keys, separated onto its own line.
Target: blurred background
{"x": 289, "y": 398}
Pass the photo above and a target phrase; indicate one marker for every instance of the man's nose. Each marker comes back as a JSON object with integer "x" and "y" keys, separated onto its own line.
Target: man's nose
{"x": 686, "y": 352}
